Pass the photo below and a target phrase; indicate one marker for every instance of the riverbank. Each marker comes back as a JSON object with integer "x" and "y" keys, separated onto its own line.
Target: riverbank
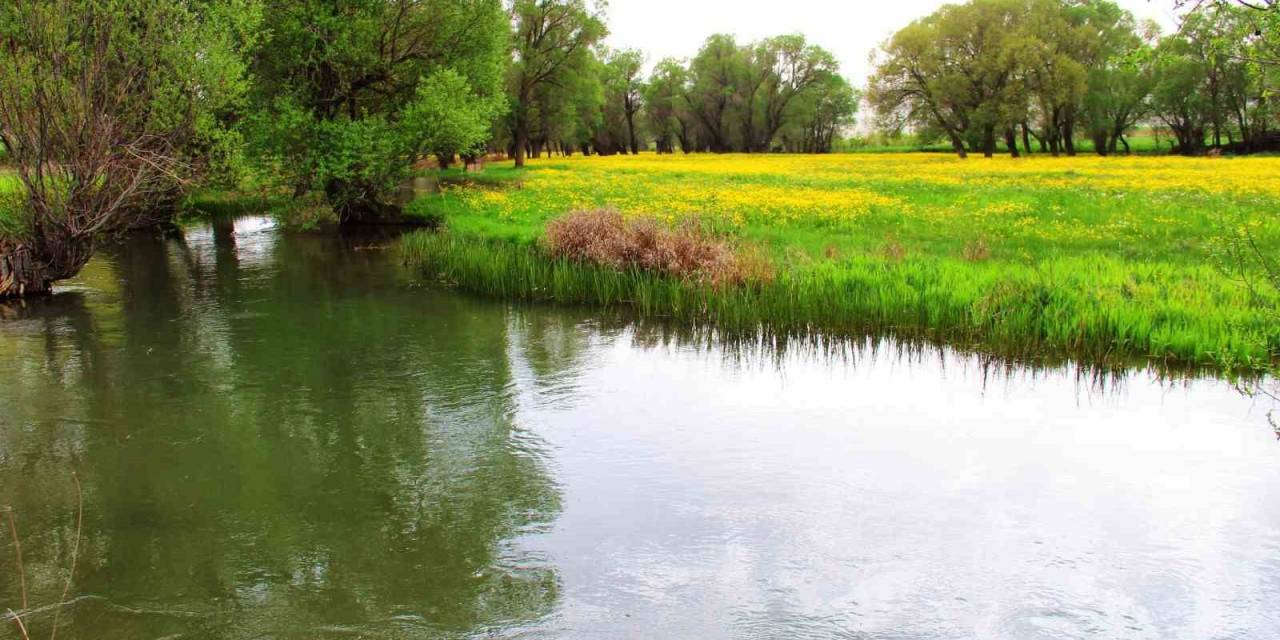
{"x": 1104, "y": 258}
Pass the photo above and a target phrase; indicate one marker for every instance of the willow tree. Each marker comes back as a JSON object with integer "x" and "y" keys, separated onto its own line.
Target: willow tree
{"x": 551, "y": 44}
{"x": 340, "y": 83}
{"x": 101, "y": 105}
{"x": 623, "y": 90}
{"x": 713, "y": 95}
{"x": 954, "y": 71}
{"x": 790, "y": 68}
{"x": 663, "y": 105}
{"x": 817, "y": 116}
{"x": 1119, "y": 94}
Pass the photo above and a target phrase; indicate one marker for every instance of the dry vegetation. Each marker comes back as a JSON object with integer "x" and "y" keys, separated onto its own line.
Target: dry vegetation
{"x": 687, "y": 251}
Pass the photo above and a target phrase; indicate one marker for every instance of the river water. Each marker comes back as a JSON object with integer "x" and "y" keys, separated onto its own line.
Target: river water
{"x": 292, "y": 436}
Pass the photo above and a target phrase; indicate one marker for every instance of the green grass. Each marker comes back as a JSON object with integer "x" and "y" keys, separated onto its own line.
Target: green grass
{"x": 1096, "y": 259}
{"x": 228, "y": 203}
{"x": 11, "y": 224}
{"x": 1099, "y": 310}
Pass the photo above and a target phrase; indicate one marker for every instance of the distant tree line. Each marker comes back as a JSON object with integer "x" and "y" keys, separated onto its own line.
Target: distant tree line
{"x": 569, "y": 94}
{"x": 992, "y": 73}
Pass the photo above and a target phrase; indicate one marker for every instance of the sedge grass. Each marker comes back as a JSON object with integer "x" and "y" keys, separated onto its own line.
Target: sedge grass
{"x": 1100, "y": 309}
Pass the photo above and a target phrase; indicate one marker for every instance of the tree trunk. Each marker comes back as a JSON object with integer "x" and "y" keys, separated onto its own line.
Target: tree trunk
{"x": 522, "y": 128}
{"x": 31, "y": 269}
{"x": 20, "y": 273}
{"x": 1026, "y": 138}
{"x": 1011, "y": 141}
{"x": 361, "y": 203}
{"x": 631, "y": 134}
{"x": 522, "y": 139}
{"x": 958, "y": 145}
{"x": 1069, "y": 135}
{"x": 1101, "y": 145}
{"x": 989, "y": 141}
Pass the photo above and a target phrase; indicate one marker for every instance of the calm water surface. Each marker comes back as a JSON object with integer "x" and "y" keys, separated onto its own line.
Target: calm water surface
{"x": 290, "y": 436}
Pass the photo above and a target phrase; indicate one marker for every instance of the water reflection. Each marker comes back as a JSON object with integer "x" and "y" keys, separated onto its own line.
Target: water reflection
{"x": 269, "y": 444}
{"x": 290, "y": 436}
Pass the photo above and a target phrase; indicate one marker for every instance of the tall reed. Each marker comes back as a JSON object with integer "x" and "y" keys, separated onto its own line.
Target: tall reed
{"x": 1092, "y": 307}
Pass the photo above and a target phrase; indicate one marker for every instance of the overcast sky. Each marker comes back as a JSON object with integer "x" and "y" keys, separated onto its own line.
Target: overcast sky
{"x": 848, "y": 29}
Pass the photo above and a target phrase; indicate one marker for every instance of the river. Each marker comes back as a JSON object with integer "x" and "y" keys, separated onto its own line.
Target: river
{"x": 289, "y": 435}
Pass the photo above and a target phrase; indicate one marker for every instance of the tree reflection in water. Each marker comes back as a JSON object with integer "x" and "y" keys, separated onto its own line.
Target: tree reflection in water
{"x": 275, "y": 437}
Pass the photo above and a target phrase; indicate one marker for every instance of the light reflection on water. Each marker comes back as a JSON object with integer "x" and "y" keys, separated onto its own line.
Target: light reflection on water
{"x": 290, "y": 436}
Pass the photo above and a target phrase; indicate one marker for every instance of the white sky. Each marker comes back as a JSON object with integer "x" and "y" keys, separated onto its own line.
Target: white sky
{"x": 849, "y": 29}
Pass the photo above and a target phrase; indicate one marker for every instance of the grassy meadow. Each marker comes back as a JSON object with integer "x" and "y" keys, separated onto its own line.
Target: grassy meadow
{"x": 1101, "y": 258}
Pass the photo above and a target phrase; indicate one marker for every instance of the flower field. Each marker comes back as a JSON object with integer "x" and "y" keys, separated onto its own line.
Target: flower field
{"x": 1086, "y": 255}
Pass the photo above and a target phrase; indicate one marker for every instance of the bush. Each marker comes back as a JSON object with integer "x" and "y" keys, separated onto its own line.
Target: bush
{"x": 606, "y": 238}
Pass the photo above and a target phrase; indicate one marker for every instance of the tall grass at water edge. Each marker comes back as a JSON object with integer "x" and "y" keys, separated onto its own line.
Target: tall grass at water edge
{"x": 1094, "y": 307}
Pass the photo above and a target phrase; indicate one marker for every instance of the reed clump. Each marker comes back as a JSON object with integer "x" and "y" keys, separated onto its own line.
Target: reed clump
{"x": 686, "y": 251}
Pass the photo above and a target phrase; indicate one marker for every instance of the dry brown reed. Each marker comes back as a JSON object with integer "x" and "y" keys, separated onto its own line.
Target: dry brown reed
{"x": 607, "y": 238}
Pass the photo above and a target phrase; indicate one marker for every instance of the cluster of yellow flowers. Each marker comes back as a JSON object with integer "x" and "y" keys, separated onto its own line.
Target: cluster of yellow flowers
{"x": 1082, "y": 200}
{"x": 1125, "y": 173}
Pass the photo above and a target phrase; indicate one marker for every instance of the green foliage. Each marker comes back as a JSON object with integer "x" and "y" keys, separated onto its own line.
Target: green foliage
{"x": 110, "y": 109}
{"x": 552, "y": 47}
{"x": 1215, "y": 78}
{"x": 351, "y": 93}
{"x": 620, "y": 78}
{"x": 665, "y": 107}
{"x": 973, "y": 73}
{"x": 447, "y": 117}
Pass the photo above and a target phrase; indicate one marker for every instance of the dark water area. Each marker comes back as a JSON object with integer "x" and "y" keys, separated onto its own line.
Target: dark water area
{"x": 285, "y": 435}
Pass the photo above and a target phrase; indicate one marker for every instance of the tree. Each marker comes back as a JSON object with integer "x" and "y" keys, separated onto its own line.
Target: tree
{"x": 624, "y": 88}
{"x": 337, "y": 83}
{"x": 664, "y": 103}
{"x": 102, "y": 104}
{"x": 447, "y": 118}
{"x": 1118, "y": 97}
{"x": 552, "y": 42}
{"x": 819, "y": 114}
{"x": 975, "y": 71}
{"x": 790, "y": 67}
{"x": 953, "y": 70}
{"x": 1180, "y": 96}
{"x": 713, "y": 74}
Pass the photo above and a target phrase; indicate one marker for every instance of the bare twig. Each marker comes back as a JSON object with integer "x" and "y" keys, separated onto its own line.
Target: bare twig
{"x": 22, "y": 575}
{"x": 22, "y": 628}
{"x": 17, "y": 548}
{"x": 75, "y": 554}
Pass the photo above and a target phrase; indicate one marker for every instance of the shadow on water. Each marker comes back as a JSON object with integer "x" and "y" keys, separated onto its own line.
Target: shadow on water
{"x": 290, "y": 435}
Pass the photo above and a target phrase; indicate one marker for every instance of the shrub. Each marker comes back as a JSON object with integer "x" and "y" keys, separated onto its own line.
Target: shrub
{"x": 604, "y": 237}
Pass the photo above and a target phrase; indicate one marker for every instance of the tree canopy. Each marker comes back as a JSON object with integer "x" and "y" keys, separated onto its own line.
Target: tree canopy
{"x": 350, "y": 94}
{"x": 108, "y": 110}
{"x": 1055, "y": 69}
